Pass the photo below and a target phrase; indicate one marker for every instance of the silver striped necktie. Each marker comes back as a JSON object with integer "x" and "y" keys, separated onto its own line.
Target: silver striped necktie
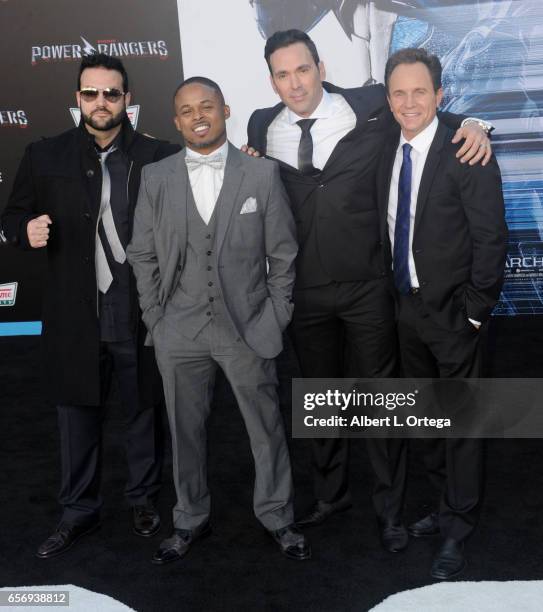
{"x": 104, "y": 277}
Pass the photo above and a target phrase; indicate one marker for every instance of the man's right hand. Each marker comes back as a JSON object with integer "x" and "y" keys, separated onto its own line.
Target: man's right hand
{"x": 249, "y": 150}
{"x": 38, "y": 231}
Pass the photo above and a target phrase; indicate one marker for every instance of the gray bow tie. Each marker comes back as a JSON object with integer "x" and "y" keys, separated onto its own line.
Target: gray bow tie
{"x": 213, "y": 161}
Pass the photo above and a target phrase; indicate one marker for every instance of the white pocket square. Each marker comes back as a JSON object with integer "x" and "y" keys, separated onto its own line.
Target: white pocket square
{"x": 249, "y": 206}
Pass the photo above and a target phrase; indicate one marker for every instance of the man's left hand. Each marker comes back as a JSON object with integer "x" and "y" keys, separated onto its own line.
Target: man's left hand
{"x": 476, "y": 147}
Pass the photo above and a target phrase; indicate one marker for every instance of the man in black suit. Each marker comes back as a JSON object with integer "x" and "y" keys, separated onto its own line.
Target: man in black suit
{"x": 328, "y": 141}
{"x": 445, "y": 239}
{"x": 74, "y": 195}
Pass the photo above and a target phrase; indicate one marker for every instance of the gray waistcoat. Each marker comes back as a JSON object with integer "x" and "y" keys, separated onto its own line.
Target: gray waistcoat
{"x": 198, "y": 299}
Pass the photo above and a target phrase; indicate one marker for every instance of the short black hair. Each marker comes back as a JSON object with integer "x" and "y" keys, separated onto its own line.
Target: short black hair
{"x": 412, "y": 55}
{"x": 101, "y": 60}
{"x": 285, "y": 38}
{"x": 202, "y": 81}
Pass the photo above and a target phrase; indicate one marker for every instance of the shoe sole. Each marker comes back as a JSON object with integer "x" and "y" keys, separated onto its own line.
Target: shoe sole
{"x": 418, "y": 534}
{"x": 201, "y": 536}
{"x": 75, "y": 540}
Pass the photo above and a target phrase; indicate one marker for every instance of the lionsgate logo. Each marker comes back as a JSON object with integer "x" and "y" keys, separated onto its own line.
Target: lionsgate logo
{"x": 75, "y": 51}
{"x": 13, "y": 118}
{"x": 8, "y": 294}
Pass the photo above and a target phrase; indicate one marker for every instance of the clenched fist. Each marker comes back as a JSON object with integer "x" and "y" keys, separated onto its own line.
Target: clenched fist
{"x": 38, "y": 231}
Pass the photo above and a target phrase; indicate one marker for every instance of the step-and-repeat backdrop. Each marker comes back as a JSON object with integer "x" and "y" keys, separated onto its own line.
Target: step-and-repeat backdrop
{"x": 491, "y": 50}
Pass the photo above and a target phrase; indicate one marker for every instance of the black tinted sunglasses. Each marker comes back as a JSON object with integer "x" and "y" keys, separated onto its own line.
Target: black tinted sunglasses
{"x": 111, "y": 94}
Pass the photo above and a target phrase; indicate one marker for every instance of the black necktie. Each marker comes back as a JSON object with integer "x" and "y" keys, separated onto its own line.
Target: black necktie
{"x": 305, "y": 148}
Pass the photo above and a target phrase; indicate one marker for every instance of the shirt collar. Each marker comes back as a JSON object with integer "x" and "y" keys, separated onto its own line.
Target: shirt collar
{"x": 222, "y": 150}
{"x": 422, "y": 141}
{"x": 323, "y": 110}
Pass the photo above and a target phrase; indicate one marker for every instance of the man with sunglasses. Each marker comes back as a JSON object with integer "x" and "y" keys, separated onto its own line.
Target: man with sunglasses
{"x": 75, "y": 195}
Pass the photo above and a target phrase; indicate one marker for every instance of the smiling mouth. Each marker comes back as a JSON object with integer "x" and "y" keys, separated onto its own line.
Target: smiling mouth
{"x": 203, "y": 128}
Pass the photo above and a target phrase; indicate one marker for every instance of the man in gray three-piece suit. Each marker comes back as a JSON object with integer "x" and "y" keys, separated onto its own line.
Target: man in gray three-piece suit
{"x": 213, "y": 252}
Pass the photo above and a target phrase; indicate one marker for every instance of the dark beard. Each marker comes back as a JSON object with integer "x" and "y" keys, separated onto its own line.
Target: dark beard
{"x": 112, "y": 122}
{"x": 209, "y": 143}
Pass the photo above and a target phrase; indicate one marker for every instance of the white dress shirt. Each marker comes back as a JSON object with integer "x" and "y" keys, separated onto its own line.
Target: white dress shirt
{"x": 335, "y": 119}
{"x": 421, "y": 145}
{"x": 206, "y": 182}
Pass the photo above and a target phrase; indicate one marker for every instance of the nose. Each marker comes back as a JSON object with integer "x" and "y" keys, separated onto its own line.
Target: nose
{"x": 410, "y": 100}
{"x": 294, "y": 81}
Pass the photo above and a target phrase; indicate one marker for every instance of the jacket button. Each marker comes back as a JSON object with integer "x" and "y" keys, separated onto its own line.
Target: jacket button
{"x": 208, "y": 313}
{"x": 209, "y": 268}
{"x": 208, "y": 236}
{"x": 417, "y": 251}
{"x": 86, "y": 259}
{"x": 210, "y": 284}
{"x": 424, "y": 283}
{"x": 322, "y": 185}
{"x": 209, "y": 252}
{"x": 86, "y": 300}
{"x": 86, "y": 216}
{"x": 211, "y": 299}
{"x": 90, "y": 173}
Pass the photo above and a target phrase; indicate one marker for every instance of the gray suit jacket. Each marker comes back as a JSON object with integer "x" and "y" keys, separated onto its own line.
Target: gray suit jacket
{"x": 257, "y": 298}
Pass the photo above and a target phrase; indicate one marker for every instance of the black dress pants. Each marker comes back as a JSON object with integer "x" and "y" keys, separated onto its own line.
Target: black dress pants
{"x": 81, "y": 438}
{"x": 454, "y": 466}
{"x": 344, "y": 330}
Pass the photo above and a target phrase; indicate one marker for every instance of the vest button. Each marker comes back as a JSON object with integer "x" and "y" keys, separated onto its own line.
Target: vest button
{"x": 208, "y": 236}
{"x": 210, "y": 284}
{"x": 209, "y": 252}
{"x": 211, "y": 299}
{"x": 86, "y": 216}
{"x": 90, "y": 173}
{"x": 208, "y": 313}
{"x": 209, "y": 268}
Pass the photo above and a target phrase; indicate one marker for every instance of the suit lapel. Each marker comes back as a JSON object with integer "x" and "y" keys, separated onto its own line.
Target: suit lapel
{"x": 385, "y": 176}
{"x": 179, "y": 192}
{"x": 233, "y": 176}
{"x": 430, "y": 171}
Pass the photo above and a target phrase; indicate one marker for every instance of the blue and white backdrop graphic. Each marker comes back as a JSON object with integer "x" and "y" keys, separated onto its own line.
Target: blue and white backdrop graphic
{"x": 492, "y": 55}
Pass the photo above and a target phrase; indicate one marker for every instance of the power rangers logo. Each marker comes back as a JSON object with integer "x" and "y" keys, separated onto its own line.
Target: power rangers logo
{"x": 67, "y": 52}
{"x": 13, "y": 118}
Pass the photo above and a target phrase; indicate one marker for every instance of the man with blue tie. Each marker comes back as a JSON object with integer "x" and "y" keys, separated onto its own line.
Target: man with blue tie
{"x": 444, "y": 232}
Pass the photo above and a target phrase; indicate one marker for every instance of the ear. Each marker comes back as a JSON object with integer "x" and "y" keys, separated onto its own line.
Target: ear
{"x": 439, "y": 96}
{"x": 322, "y": 71}
{"x": 273, "y": 84}
{"x": 176, "y": 121}
{"x": 78, "y": 99}
{"x": 127, "y": 98}
{"x": 226, "y": 111}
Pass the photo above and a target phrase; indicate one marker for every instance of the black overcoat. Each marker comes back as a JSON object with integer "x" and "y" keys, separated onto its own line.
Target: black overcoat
{"x": 61, "y": 177}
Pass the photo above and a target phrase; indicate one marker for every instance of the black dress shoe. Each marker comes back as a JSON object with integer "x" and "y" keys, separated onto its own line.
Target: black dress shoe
{"x": 427, "y": 526}
{"x": 449, "y": 561}
{"x": 292, "y": 543}
{"x": 178, "y": 544}
{"x": 64, "y": 537}
{"x": 321, "y": 511}
{"x": 146, "y": 521}
{"x": 394, "y": 536}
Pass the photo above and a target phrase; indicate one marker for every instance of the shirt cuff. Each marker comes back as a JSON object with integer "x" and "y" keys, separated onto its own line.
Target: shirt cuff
{"x": 474, "y": 322}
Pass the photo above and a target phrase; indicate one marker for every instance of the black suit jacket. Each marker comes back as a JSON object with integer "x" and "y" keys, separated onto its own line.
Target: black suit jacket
{"x": 336, "y": 211}
{"x": 460, "y": 235}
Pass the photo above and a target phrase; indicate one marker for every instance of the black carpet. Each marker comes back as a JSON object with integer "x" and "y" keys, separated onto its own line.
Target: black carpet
{"x": 239, "y": 567}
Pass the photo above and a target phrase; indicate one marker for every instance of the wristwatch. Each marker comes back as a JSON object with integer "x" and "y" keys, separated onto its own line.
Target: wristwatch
{"x": 486, "y": 126}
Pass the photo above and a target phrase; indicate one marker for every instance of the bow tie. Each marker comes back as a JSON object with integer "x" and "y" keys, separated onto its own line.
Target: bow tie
{"x": 213, "y": 161}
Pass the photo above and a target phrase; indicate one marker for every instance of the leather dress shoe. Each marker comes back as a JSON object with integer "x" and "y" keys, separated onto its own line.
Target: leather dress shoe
{"x": 178, "y": 544}
{"x": 321, "y": 511}
{"x": 146, "y": 521}
{"x": 292, "y": 543}
{"x": 64, "y": 537}
{"x": 427, "y": 526}
{"x": 394, "y": 536}
{"x": 449, "y": 561}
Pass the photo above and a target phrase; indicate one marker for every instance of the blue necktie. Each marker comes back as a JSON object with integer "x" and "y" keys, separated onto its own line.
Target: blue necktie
{"x": 402, "y": 279}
